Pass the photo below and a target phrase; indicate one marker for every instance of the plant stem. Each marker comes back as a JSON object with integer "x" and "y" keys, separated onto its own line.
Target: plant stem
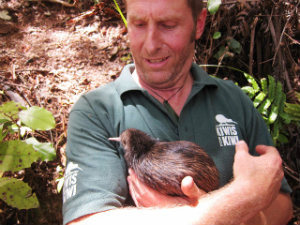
{"x": 120, "y": 12}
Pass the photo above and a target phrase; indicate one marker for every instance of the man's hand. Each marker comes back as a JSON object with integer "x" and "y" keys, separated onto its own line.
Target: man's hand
{"x": 263, "y": 178}
{"x": 144, "y": 196}
{"x": 256, "y": 182}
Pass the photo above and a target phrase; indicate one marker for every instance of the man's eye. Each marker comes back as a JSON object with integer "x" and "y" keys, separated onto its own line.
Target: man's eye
{"x": 168, "y": 26}
{"x": 139, "y": 24}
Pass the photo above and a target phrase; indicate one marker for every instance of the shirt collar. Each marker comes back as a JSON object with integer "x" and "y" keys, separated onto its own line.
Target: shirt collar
{"x": 201, "y": 78}
{"x": 126, "y": 83}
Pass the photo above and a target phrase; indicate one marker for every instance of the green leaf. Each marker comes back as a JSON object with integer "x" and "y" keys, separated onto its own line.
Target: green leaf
{"x": 275, "y": 132}
{"x": 60, "y": 184}
{"x": 249, "y": 91}
{"x": 3, "y": 120}
{"x": 37, "y": 118}
{"x": 286, "y": 118}
{"x": 213, "y": 6}
{"x": 266, "y": 121}
{"x": 3, "y": 133}
{"x": 252, "y": 81}
{"x": 272, "y": 88}
{"x": 16, "y": 155}
{"x": 273, "y": 115}
{"x": 235, "y": 46}
{"x": 10, "y": 109}
{"x": 293, "y": 110}
{"x": 258, "y": 99}
{"x": 264, "y": 85}
{"x": 222, "y": 51}
{"x": 46, "y": 150}
{"x": 126, "y": 58}
{"x": 281, "y": 102}
{"x": 278, "y": 103}
{"x": 17, "y": 194}
{"x": 283, "y": 139}
{"x": 217, "y": 35}
{"x": 263, "y": 108}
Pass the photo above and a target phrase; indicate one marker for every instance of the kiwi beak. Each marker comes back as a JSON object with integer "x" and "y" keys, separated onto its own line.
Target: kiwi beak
{"x": 115, "y": 139}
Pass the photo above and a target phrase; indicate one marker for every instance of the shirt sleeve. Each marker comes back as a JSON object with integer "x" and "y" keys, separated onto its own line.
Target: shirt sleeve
{"x": 95, "y": 176}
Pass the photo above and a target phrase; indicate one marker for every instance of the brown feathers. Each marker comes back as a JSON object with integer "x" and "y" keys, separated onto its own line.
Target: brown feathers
{"x": 163, "y": 165}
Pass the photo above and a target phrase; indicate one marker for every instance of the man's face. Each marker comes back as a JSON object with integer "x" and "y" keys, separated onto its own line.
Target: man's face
{"x": 161, "y": 34}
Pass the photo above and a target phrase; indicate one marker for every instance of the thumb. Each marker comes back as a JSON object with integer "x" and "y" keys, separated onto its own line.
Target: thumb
{"x": 241, "y": 151}
{"x": 190, "y": 189}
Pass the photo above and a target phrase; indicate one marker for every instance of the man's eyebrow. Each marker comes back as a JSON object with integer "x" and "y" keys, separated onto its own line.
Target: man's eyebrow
{"x": 136, "y": 17}
{"x": 162, "y": 18}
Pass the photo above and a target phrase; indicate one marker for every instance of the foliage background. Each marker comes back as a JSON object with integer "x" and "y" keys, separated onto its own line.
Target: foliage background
{"x": 41, "y": 66}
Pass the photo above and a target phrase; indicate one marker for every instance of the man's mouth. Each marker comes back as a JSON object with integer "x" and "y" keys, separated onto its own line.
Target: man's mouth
{"x": 158, "y": 60}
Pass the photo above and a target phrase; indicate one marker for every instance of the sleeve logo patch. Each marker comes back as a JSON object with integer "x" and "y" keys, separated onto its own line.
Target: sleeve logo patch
{"x": 70, "y": 180}
{"x": 226, "y": 131}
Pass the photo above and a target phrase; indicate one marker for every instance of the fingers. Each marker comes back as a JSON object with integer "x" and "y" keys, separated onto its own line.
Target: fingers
{"x": 272, "y": 154}
{"x": 132, "y": 187}
{"x": 145, "y": 196}
{"x": 242, "y": 147}
{"x": 136, "y": 188}
{"x": 262, "y": 174}
{"x": 274, "y": 159}
{"x": 264, "y": 149}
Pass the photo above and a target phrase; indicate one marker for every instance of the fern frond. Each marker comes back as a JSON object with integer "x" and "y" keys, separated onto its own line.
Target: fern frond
{"x": 253, "y": 82}
{"x": 259, "y": 99}
{"x": 293, "y": 110}
{"x": 264, "y": 107}
{"x": 269, "y": 98}
{"x": 278, "y": 103}
{"x": 272, "y": 88}
{"x": 249, "y": 91}
{"x": 264, "y": 85}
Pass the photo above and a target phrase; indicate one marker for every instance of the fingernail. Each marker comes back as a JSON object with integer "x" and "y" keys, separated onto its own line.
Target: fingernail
{"x": 241, "y": 142}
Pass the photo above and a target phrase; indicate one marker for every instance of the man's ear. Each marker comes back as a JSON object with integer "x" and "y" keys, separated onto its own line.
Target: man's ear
{"x": 200, "y": 23}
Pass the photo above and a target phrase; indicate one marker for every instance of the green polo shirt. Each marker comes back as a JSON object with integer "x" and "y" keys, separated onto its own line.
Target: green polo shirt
{"x": 215, "y": 116}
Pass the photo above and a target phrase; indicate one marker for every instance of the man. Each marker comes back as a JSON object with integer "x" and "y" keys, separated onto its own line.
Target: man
{"x": 168, "y": 97}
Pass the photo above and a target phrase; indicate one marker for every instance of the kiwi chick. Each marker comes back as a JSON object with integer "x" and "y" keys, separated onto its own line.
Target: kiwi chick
{"x": 163, "y": 165}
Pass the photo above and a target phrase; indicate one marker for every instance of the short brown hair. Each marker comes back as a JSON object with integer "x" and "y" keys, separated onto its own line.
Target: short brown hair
{"x": 196, "y": 7}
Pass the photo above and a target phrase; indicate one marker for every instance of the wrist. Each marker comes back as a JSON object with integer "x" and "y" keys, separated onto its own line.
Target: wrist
{"x": 233, "y": 204}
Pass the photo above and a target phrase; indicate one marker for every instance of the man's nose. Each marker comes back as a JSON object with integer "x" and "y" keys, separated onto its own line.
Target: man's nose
{"x": 153, "y": 40}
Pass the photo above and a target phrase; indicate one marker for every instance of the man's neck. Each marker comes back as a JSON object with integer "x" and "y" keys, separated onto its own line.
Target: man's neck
{"x": 176, "y": 96}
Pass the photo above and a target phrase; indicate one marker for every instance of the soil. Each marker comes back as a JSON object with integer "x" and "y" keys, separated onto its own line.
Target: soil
{"x": 49, "y": 55}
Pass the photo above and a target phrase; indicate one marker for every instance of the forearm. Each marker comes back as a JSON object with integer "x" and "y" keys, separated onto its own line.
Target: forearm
{"x": 229, "y": 205}
{"x": 253, "y": 189}
{"x": 280, "y": 211}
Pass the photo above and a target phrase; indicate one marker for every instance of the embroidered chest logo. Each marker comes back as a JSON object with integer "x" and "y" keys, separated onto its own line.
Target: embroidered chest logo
{"x": 226, "y": 131}
{"x": 70, "y": 180}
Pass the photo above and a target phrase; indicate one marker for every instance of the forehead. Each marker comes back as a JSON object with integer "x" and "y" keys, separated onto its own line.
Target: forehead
{"x": 157, "y": 8}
